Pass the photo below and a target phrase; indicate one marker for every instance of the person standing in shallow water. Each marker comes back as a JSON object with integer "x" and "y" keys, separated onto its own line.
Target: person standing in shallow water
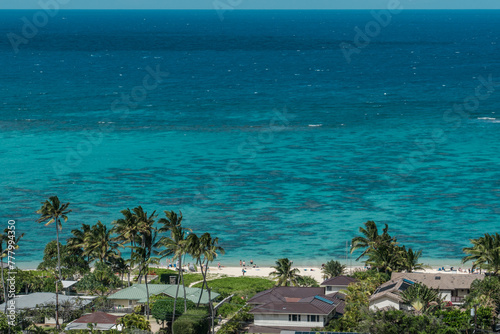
{"x": 240, "y": 263}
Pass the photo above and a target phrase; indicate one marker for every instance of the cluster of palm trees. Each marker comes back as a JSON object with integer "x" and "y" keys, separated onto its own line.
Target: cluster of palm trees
{"x": 383, "y": 252}
{"x": 485, "y": 252}
{"x": 138, "y": 231}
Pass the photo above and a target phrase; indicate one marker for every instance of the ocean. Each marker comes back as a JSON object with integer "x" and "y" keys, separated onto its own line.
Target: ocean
{"x": 280, "y": 132}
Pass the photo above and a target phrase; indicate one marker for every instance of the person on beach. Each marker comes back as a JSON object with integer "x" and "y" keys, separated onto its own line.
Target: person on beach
{"x": 243, "y": 272}
{"x": 240, "y": 263}
{"x": 243, "y": 263}
{"x": 218, "y": 265}
{"x": 251, "y": 261}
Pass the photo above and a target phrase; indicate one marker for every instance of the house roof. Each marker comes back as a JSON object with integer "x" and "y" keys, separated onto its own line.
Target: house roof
{"x": 294, "y": 300}
{"x": 392, "y": 289}
{"x": 138, "y": 292}
{"x": 440, "y": 281}
{"x": 282, "y": 293}
{"x": 33, "y": 300}
{"x": 339, "y": 281}
{"x": 97, "y": 318}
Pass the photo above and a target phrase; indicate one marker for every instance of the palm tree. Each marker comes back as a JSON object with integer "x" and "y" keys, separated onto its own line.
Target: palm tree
{"x": 485, "y": 252}
{"x": 284, "y": 273}
{"x": 53, "y": 211}
{"x": 127, "y": 230}
{"x": 370, "y": 239}
{"x": 333, "y": 269}
{"x": 205, "y": 250}
{"x": 410, "y": 260}
{"x": 144, "y": 228}
{"x": 77, "y": 241}
{"x": 147, "y": 234}
{"x": 386, "y": 257}
{"x": 421, "y": 298}
{"x": 99, "y": 244}
{"x": 176, "y": 246}
{"x": 142, "y": 257}
{"x": 11, "y": 243}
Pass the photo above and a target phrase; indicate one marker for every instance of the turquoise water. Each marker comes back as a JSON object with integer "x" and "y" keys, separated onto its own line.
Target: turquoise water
{"x": 261, "y": 133}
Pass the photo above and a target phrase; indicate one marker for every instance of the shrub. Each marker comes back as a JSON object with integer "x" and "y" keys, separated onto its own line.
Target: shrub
{"x": 192, "y": 322}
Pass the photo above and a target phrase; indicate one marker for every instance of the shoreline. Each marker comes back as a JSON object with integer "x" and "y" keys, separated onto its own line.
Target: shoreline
{"x": 433, "y": 263}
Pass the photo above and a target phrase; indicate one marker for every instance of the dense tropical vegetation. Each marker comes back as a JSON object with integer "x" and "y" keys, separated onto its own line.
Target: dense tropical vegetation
{"x": 147, "y": 239}
{"x": 383, "y": 251}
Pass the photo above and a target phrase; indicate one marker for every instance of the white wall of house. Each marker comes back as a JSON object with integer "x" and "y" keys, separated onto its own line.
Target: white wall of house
{"x": 331, "y": 289}
{"x": 382, "y": 302}
{"x": 283, "y": 320}
{"x": 446, "y": 295}
{"x": 462, "y": 292}
{"x": 124, "y": 303}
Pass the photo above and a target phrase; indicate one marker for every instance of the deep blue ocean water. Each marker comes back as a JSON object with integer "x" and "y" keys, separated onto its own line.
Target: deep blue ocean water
{"x": 262, "y": 133}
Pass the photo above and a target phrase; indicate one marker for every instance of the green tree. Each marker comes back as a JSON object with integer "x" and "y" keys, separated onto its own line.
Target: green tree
{"x": 162, "y": 309}
{"x": 100, "y": 281}
{"x": 332, "y": 269}
{"x": 135, "y": 321}
{"x": 175, "y": 245}
{"x": 77, "y": 241}
{"x": 52, "y": 210}
{"x": 307, "y": 281}
{"x": 284, "y": 273}
{"x": 486, "y": 293}
{"x": 395, "y": 321}
{"x": 485, "y": 252}
{"x": 421, "y": 298}
{"x": 371, "y": 239}
{"x": 69, "y": 261}
{"x": 98, "y": 243}
{"x": 205, "y": 250}
{"x": 410, "y": 260}
{"x": 127, "y": 229}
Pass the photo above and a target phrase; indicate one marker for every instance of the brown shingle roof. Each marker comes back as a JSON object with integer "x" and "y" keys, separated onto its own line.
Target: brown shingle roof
{"x": 440, "y": 281}
{"x": 98, "y": 318}
{"x": 295, "y": 300}
{"x": 281, "y": 293}
{"x": 339, "y": 281}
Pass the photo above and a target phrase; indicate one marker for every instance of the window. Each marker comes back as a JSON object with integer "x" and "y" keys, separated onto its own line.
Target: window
{"x": 329, "y": 288}
{"x": 294, "y": 317}
{"x": 313, "y": 318}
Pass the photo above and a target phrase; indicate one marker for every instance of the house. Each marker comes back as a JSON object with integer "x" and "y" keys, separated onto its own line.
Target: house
{"x": 100, "y": 321}
{"x": 136, "y": 294}
{"x": 41, "y": 299}
{"x": 452, "y": 287}
{"x": 335, "y": 284}
{"x": 388, "y": 295}
{"x": 290, "y": 308}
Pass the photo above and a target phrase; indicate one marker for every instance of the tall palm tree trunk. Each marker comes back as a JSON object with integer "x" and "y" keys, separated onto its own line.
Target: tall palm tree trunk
{"x": 177, "y": 294}
{"x": 59, "y": 270}
{"x": 147, "y": 294}
{"x": 184, "y": 288}
{"x": 212, "y": 315}
{"x": 204, "y": 274}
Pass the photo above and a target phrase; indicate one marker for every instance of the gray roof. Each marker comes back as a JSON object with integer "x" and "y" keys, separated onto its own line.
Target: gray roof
{"x": 138, "y": 292}
{"x": 42, "y": 299}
